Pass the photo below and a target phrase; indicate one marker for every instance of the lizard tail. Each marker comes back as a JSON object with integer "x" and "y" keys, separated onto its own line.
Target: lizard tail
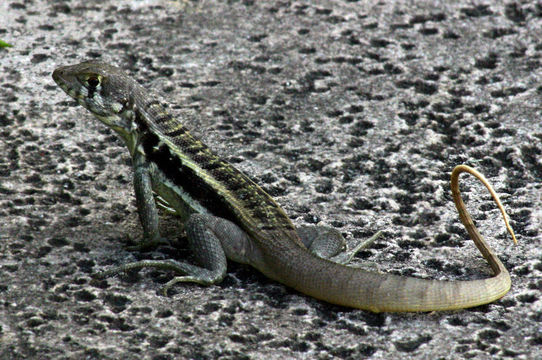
{"x": 388, "y": 292}
{"x": 463, "y": 294}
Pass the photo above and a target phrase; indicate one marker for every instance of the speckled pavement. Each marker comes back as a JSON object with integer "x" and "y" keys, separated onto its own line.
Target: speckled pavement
{"x": 351, "y": 114}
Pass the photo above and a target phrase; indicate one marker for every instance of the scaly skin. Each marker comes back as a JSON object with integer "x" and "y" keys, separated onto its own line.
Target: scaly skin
{"x": 227, "y": 215}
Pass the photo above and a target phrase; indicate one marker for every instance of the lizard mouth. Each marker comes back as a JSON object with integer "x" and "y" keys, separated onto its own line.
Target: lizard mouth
{"x": 59, "y": 76}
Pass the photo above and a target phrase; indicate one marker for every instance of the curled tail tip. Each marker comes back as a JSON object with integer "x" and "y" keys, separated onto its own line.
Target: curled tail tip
{"x": 511, "y": 231}
{"x": 455, "y": 188}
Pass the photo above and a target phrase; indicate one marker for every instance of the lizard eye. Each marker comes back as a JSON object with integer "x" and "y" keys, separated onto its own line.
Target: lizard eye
{"x": 93, "y": 81}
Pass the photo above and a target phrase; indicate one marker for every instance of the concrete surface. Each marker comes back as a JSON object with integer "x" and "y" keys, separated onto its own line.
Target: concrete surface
{"x": 350, "y": 113}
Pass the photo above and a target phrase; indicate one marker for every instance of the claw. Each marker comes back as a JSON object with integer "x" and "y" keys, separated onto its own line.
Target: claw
{"x": 145, "y": 246}
{"x": 346, "y": 257}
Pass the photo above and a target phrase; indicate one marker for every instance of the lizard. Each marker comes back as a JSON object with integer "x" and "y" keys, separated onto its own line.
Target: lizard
{"x": 226, "y": 215}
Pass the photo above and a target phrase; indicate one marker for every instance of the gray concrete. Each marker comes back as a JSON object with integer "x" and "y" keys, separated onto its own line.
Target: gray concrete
{"x": 349, "y": 114}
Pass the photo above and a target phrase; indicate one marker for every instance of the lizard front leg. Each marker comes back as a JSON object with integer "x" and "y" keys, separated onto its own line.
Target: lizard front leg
{"x": 146, "y": 206}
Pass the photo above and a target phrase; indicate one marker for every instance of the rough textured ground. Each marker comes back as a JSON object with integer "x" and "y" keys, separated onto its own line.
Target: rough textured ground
{"x": 350, "y": 114}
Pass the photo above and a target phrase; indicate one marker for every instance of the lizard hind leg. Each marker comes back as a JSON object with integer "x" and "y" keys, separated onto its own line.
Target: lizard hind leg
{"x": 328, "y": 243}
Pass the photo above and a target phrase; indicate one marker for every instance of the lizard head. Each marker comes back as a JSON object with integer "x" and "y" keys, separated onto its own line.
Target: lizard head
{"x": 103, "y": 90}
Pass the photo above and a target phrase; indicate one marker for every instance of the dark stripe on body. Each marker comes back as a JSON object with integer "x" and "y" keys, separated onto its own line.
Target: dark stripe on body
{"x": 254, "y": 200}
{"x": 182, "y": 176}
